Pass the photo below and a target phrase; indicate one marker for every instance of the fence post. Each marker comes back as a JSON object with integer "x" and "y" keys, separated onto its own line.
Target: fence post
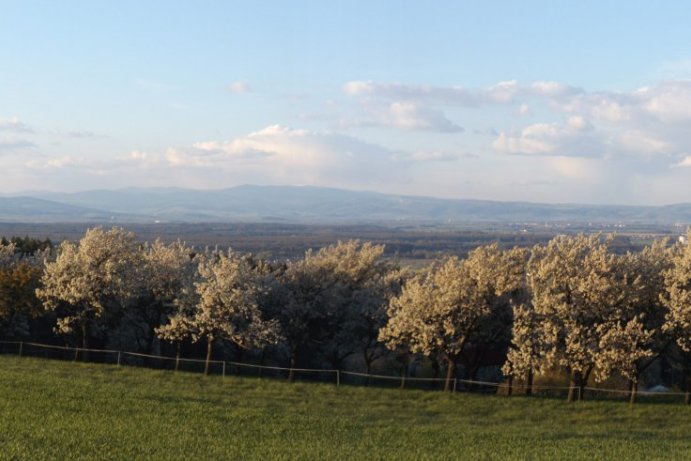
{"x": 224, "y": 368}
{"x": 21, "y": 346}
{"x": 455, "y": 380}
{"x": 119, "y": 358}
{"x": 338, "y": 378}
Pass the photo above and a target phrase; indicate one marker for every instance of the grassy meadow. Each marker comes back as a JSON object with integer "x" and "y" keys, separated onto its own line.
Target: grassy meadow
{"x": 65, "y": 410}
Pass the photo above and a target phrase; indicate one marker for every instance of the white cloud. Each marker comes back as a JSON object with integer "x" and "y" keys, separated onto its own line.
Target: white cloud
{"x": 685, "y": 162}
{"x": 358, "y": 87}
{"x": 650, "y": 122}
{"x": 12, "y": 145}
{"x": 435, "y": 156}
{"x": 281, "y": 155}
{"x": 506, "y": 92}
{"x": 401, "y": 115}
{"x": 582, "y": 169}
{"x": 400, "y": 91}
{"x": 670, "y": 102}
{"x": 610, "y": 110}
{"x": 613, "y": 142}
{"x": 60, "y": 162}
{"x": 274, "y": 155}
{"x": 553, "y": 89}
{"x": 406, "y": 116}
{"x": 14, "y": 125}
{"x": 575, "y": 139}
{"x": 640, "y": 142}
{"x": 239, "y": 87}
{"x": 578, "y": 123}
{"x": 146, "y": 159}
{"x": 530, "y": 141}
{"x": 68, "y": 162}
{"x": 503, "y": 92}
{"x": 524, "y": 110}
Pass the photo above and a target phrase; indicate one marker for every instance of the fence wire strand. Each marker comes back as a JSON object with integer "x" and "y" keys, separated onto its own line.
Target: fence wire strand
{"x": 21, "y": 350}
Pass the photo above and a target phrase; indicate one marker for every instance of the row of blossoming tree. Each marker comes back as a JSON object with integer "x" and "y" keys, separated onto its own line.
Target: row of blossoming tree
{"x": 570, "y": 305}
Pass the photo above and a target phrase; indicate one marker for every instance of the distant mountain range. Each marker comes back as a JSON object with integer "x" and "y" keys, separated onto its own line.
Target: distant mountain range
{"x": 298, "y": 204}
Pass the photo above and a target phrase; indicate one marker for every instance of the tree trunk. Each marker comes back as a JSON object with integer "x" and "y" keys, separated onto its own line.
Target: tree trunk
{"x": 583, "y": 378}
{"x": 576, "y": 388}
{"x": 337, "y": 361}
{"x": 85, "y": 341}
{"x": 369, "y": 359}
{"x": 572, "y": 392}
{"x": 435, "y": 375}
{"x": 209, "y": 348}
{"x": 404, "y": 373}
{"x": 529, "y": 383}
{"x": 475, "y": 365}
{"x": 150, "y": 344}
{"x": 509, "y": 389}
{"x": 633, "y": 393}
{"x": 177, "y": 356}
{"x": 450, "y": 373}
{"x": 239, "y": 356}
{"x": 262, "y": 359}
{"x": 291, "y": 372}
{"x": 687, "y": 396}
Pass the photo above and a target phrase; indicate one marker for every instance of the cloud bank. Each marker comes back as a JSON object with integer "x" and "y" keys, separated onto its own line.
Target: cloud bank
{"x": 542, "y": 140}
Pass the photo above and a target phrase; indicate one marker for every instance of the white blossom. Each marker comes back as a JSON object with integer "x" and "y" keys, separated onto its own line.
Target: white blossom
{"x": 678, "y": 282}
{"x": 86, "y": 280}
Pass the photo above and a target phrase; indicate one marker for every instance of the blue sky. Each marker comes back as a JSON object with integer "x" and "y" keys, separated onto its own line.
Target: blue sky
{"x": 550, "y": 101}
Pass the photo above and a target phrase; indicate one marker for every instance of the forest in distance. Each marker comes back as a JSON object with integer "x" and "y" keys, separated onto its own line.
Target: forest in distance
{"x": 572, "y": 305}
{"x": 413, "y": 246}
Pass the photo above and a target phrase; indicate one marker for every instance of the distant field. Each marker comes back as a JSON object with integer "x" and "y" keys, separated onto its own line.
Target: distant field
{"x": 64, "y": 410}
{"x": 415, "y": 247}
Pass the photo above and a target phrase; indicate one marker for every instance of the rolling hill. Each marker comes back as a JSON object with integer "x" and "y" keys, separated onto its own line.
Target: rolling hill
{"x": 301, "y": 204}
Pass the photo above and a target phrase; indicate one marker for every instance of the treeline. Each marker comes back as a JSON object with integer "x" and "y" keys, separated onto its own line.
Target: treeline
{"x": 571, "y": 305}
{"x": 290, "y": 241}
{"x": 26, "y": 245}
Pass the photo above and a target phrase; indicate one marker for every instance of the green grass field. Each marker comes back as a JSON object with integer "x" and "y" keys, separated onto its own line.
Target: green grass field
{"x": 64, "y": 410}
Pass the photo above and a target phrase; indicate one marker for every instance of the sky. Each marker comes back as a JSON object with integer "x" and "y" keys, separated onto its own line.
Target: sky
{"x": 543, "y": 101}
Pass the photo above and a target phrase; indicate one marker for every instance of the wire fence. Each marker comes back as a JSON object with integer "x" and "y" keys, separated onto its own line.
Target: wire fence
{"x": 337, "y": 377}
